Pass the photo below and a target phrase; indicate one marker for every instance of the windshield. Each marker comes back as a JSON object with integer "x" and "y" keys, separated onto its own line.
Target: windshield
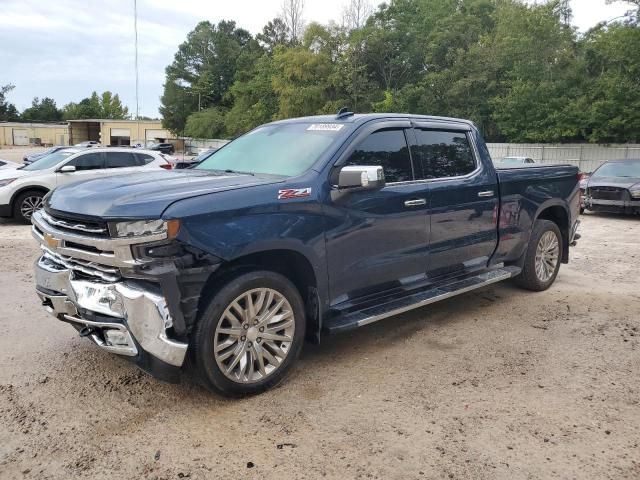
{"x": 619, "y": 169}
{"x": 48, "y": 161}
{"x": 285, "y": 150}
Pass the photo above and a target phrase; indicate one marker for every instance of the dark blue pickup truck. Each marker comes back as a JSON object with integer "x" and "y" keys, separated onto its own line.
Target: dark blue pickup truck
{"x": 296, "y": 229}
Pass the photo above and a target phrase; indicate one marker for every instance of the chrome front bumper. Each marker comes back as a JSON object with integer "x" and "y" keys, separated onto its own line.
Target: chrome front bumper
{"x": 129, "y": 315}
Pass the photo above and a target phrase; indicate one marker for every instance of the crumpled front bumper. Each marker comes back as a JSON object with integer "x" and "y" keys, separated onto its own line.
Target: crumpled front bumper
{"x": 124, "y": 317}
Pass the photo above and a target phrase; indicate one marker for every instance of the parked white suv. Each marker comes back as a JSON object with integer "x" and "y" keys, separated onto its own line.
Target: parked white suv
{"x": 22, "y": 189}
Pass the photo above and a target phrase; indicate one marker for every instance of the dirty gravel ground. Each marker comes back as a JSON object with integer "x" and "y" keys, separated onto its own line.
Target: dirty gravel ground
{"x": 497, "y": 384}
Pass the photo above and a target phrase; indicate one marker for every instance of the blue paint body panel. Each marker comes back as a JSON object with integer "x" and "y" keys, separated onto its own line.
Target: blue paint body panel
{"x": 359, "y": 244}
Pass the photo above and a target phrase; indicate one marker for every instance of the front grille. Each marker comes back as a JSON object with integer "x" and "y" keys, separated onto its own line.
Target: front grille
{"x": 83, "y": 268}
{"x": 608, "y": 193}
{"x": 98, "y": 229}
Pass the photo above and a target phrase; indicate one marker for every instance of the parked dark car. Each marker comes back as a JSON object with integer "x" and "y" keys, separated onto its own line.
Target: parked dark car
{"x": 614, "y": 187}
{"x": 301, "y": 227}
{"x": 167, "y": 148}
{"x": 27, "y": 159}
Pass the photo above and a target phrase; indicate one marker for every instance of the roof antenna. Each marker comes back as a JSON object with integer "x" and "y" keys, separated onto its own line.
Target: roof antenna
{"x": 343, "y": 113}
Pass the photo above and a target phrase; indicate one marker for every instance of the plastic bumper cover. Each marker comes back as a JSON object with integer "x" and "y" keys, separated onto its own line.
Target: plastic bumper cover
{"x": 119, "y": 316}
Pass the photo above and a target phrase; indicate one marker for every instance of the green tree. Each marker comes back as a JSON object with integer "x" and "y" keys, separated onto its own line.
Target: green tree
{"x": 8, "y": 111}
{"x": 44, "y": 110}
{"x": 208, "y": 123}
{"x": 105, "y": 105}
{"x": 203, "y": 70}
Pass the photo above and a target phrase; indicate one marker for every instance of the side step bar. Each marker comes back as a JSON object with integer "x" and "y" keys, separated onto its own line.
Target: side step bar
{"x": 417, "y": 300}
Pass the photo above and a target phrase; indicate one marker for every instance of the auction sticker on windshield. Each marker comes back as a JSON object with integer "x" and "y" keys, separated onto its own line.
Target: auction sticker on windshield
{"x": 326, "y": 127}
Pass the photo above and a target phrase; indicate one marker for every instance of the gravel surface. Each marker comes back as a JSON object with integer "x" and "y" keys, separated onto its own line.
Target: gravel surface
{"x": 499, "y": 383}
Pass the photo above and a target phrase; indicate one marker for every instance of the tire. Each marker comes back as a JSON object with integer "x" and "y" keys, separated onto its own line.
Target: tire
{"x": 541, "y": 278}
{"x": 220, "y": 324}
{"x": 24, "y": 204}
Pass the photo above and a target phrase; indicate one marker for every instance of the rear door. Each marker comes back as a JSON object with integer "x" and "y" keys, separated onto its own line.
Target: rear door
{"x": 122, "y": 162}
{"x": 463, "y": 199}
{"x": 377, "y": 240}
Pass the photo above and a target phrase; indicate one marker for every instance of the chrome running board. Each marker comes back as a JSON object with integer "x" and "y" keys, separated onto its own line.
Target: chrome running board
{"x": 416, "y": 300}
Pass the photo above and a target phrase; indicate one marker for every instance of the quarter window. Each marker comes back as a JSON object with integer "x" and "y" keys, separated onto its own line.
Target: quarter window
{"x": 441, "y": 154}
{"x": 388, "y": 149}
{"x": 88, "y": 161}
{"x": 144, "y": 159}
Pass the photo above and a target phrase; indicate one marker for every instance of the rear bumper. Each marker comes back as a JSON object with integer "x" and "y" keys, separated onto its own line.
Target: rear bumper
{"x": 5, "y": 211}
{"x": 125, "y": 317}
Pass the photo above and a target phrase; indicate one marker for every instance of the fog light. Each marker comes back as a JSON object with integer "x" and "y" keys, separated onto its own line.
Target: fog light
{"x": 116, "y": 338}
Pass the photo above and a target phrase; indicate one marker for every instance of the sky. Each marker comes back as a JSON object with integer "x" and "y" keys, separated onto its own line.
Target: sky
{"x": 65, "y": 49}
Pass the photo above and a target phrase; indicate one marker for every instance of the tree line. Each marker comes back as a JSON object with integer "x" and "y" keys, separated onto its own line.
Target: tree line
{"x": 105, "y": 105}
{"x": 520, "y": 71}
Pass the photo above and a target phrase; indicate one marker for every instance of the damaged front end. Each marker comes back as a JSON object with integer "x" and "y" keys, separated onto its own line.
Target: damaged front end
{"x": 133, "y": 295}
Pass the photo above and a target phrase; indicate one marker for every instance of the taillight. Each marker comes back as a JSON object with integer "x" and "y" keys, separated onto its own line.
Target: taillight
{"x": 166, "y": 166}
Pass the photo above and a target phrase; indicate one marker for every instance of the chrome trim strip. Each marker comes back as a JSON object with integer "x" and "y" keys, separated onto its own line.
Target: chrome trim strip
{"x": 61, "y": 223}
{"x": 89, "y": 268}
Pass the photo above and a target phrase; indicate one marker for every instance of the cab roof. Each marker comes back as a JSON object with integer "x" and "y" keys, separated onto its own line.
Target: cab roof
{"x": 360, "y": 118}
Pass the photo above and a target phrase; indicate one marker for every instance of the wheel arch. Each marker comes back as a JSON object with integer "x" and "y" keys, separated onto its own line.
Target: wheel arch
{"x": 557, "y": 213}
{"x": 290, "y": 263}
{"x": 28, "y": 188}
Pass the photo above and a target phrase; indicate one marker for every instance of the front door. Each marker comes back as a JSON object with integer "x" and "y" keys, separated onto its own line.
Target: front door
{"x": 377, "y": 240}
{"x": 88, "y": 166}
{"x": 464, "y": 200}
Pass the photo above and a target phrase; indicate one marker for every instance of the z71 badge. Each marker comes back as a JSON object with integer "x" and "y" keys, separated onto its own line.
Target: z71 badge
{"x": 288, "y": 193}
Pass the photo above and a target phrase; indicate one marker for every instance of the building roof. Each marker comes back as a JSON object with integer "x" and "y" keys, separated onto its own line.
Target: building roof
{"x": 105, "y": 120}
{"x": 34, "y": 124}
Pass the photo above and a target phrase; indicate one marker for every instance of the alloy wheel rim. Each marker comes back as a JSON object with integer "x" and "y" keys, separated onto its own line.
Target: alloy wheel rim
{"x": 30, "y": 205}
{"x": 547, "y": 254}
{"x": 254, "y": 335}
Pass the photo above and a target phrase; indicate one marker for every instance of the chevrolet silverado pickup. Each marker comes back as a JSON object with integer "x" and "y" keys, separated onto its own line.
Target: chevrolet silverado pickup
{"x": 299, "y": 228}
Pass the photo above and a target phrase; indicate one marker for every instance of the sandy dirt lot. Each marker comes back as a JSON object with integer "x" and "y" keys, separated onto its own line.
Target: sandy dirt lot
{"x": 496, "y": 384}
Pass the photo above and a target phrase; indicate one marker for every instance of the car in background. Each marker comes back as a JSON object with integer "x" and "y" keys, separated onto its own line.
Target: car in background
{"x": 87, "y": 144}
{"x": 32, "y": 157}
{"x": 614, "y": 187}
{"x": 514, "y": 162}
{"x": 22, "y": 190}
{"x": 187, "y": 163}
{"x": 8, "y": 165}
{"x": 168, "y": 148}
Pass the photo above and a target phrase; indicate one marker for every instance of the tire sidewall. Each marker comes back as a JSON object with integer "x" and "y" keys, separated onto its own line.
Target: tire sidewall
{"x": 543, "y": 226}
{"x": 211, "y": 315}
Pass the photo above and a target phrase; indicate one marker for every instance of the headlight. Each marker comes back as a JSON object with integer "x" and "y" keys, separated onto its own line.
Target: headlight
{"x": 6, "y": 182}
{"x": 635, "y": 191}
{"x": 146, "y": 227}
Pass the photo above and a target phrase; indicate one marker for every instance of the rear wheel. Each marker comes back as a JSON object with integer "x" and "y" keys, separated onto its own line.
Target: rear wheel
{"x": 26, "y": 204}
{"x": 542, "y": 259}
{"x": 250, "y": 334}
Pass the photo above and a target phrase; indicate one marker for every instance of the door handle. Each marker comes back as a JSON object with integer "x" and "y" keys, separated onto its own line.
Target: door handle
{"x": 415, "y": 202}
{"x": 488, "y": 193}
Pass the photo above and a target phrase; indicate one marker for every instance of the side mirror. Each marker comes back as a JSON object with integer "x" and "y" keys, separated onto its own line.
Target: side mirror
{"x": 67, "y": 169}
{"x": 361, "y": 177}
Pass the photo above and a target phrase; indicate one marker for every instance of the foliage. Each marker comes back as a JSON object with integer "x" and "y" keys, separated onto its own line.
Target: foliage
{"x": 208, "y": 123}
{"x": 517, "y": 69}
{"x": 44, "y": 110}
{"x": 8, "y": 111}
{"x": 105, "y": 105}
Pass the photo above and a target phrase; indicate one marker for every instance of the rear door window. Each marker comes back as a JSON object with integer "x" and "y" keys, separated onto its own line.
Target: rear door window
{"x": 388, "y": 149}
{"x": 88, "y": 161}
{"x": 442, "y": 154}
{"x": 120, "y": 160}
{"x": 144, "y": 159}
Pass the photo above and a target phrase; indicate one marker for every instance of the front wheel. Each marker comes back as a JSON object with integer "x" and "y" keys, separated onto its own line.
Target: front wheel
{"x": 26, "y": 205}
{"x": 250, "y": 334}
{"x": 542, "y": 258}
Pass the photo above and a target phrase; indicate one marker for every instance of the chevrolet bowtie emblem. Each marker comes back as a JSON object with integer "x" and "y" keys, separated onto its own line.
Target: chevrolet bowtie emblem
{"x": 51, "y": 241}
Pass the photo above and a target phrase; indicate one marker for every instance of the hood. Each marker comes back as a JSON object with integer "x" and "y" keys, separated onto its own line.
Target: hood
{"x": 619, "y": 182}
{"x": 12, "y": 172}
{"x": 146, "y": 194}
